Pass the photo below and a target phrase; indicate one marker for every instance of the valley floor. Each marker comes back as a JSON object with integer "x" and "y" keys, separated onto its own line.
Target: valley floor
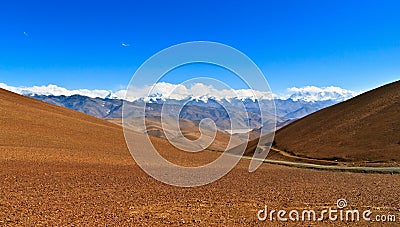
{"x": 70, "y": 193}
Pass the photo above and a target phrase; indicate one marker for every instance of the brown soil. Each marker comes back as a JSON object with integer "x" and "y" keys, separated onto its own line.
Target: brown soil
{"x": 60, "y": 167}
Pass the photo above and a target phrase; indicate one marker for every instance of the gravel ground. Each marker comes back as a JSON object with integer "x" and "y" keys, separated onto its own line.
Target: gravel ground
{"x": 62, "y": 193}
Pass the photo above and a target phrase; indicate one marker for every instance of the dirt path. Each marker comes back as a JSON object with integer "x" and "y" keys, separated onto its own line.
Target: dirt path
{"x": 286, "y": 154}
{"x": 359, "y": 169}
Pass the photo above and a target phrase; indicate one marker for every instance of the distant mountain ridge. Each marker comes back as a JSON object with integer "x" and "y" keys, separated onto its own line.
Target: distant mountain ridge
{"x": 200, "y": 101}
{"x": 195, "y": 110}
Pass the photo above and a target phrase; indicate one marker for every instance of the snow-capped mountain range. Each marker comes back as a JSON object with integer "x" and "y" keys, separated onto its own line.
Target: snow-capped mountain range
{"x": 199, "y": 92}
{"x": 199, "y": 101}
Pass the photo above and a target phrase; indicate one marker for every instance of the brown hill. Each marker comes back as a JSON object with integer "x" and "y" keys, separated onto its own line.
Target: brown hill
{"x": 34, "y": 130}
{"x": 363, "y": 129}
{"x": 37, "y": 131}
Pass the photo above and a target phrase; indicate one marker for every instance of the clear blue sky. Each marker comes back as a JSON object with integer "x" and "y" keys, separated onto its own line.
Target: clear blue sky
{"x": 77, "y": 44}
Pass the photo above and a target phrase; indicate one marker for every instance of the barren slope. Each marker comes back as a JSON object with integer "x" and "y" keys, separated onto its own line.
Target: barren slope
{"x": 363, "y": 129}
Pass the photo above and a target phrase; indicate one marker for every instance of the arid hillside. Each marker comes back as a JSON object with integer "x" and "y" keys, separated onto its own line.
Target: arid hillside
{"x": 35, "y": 130}
{"x": 364, "y": 129}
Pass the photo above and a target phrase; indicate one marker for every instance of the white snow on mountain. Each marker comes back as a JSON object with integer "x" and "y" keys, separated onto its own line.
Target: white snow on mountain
{"x": 313, "y": 94}
{"x": 57, "y": 91}
{"x": 197, "y": 91}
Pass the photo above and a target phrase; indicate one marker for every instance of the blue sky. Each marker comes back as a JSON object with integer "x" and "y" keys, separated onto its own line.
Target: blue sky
{"x": 78, "y": 44}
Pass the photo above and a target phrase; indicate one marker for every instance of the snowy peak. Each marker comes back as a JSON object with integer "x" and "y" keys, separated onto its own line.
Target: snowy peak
{"x": 313, "y": 94}
{"x": 55, "y": 90}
